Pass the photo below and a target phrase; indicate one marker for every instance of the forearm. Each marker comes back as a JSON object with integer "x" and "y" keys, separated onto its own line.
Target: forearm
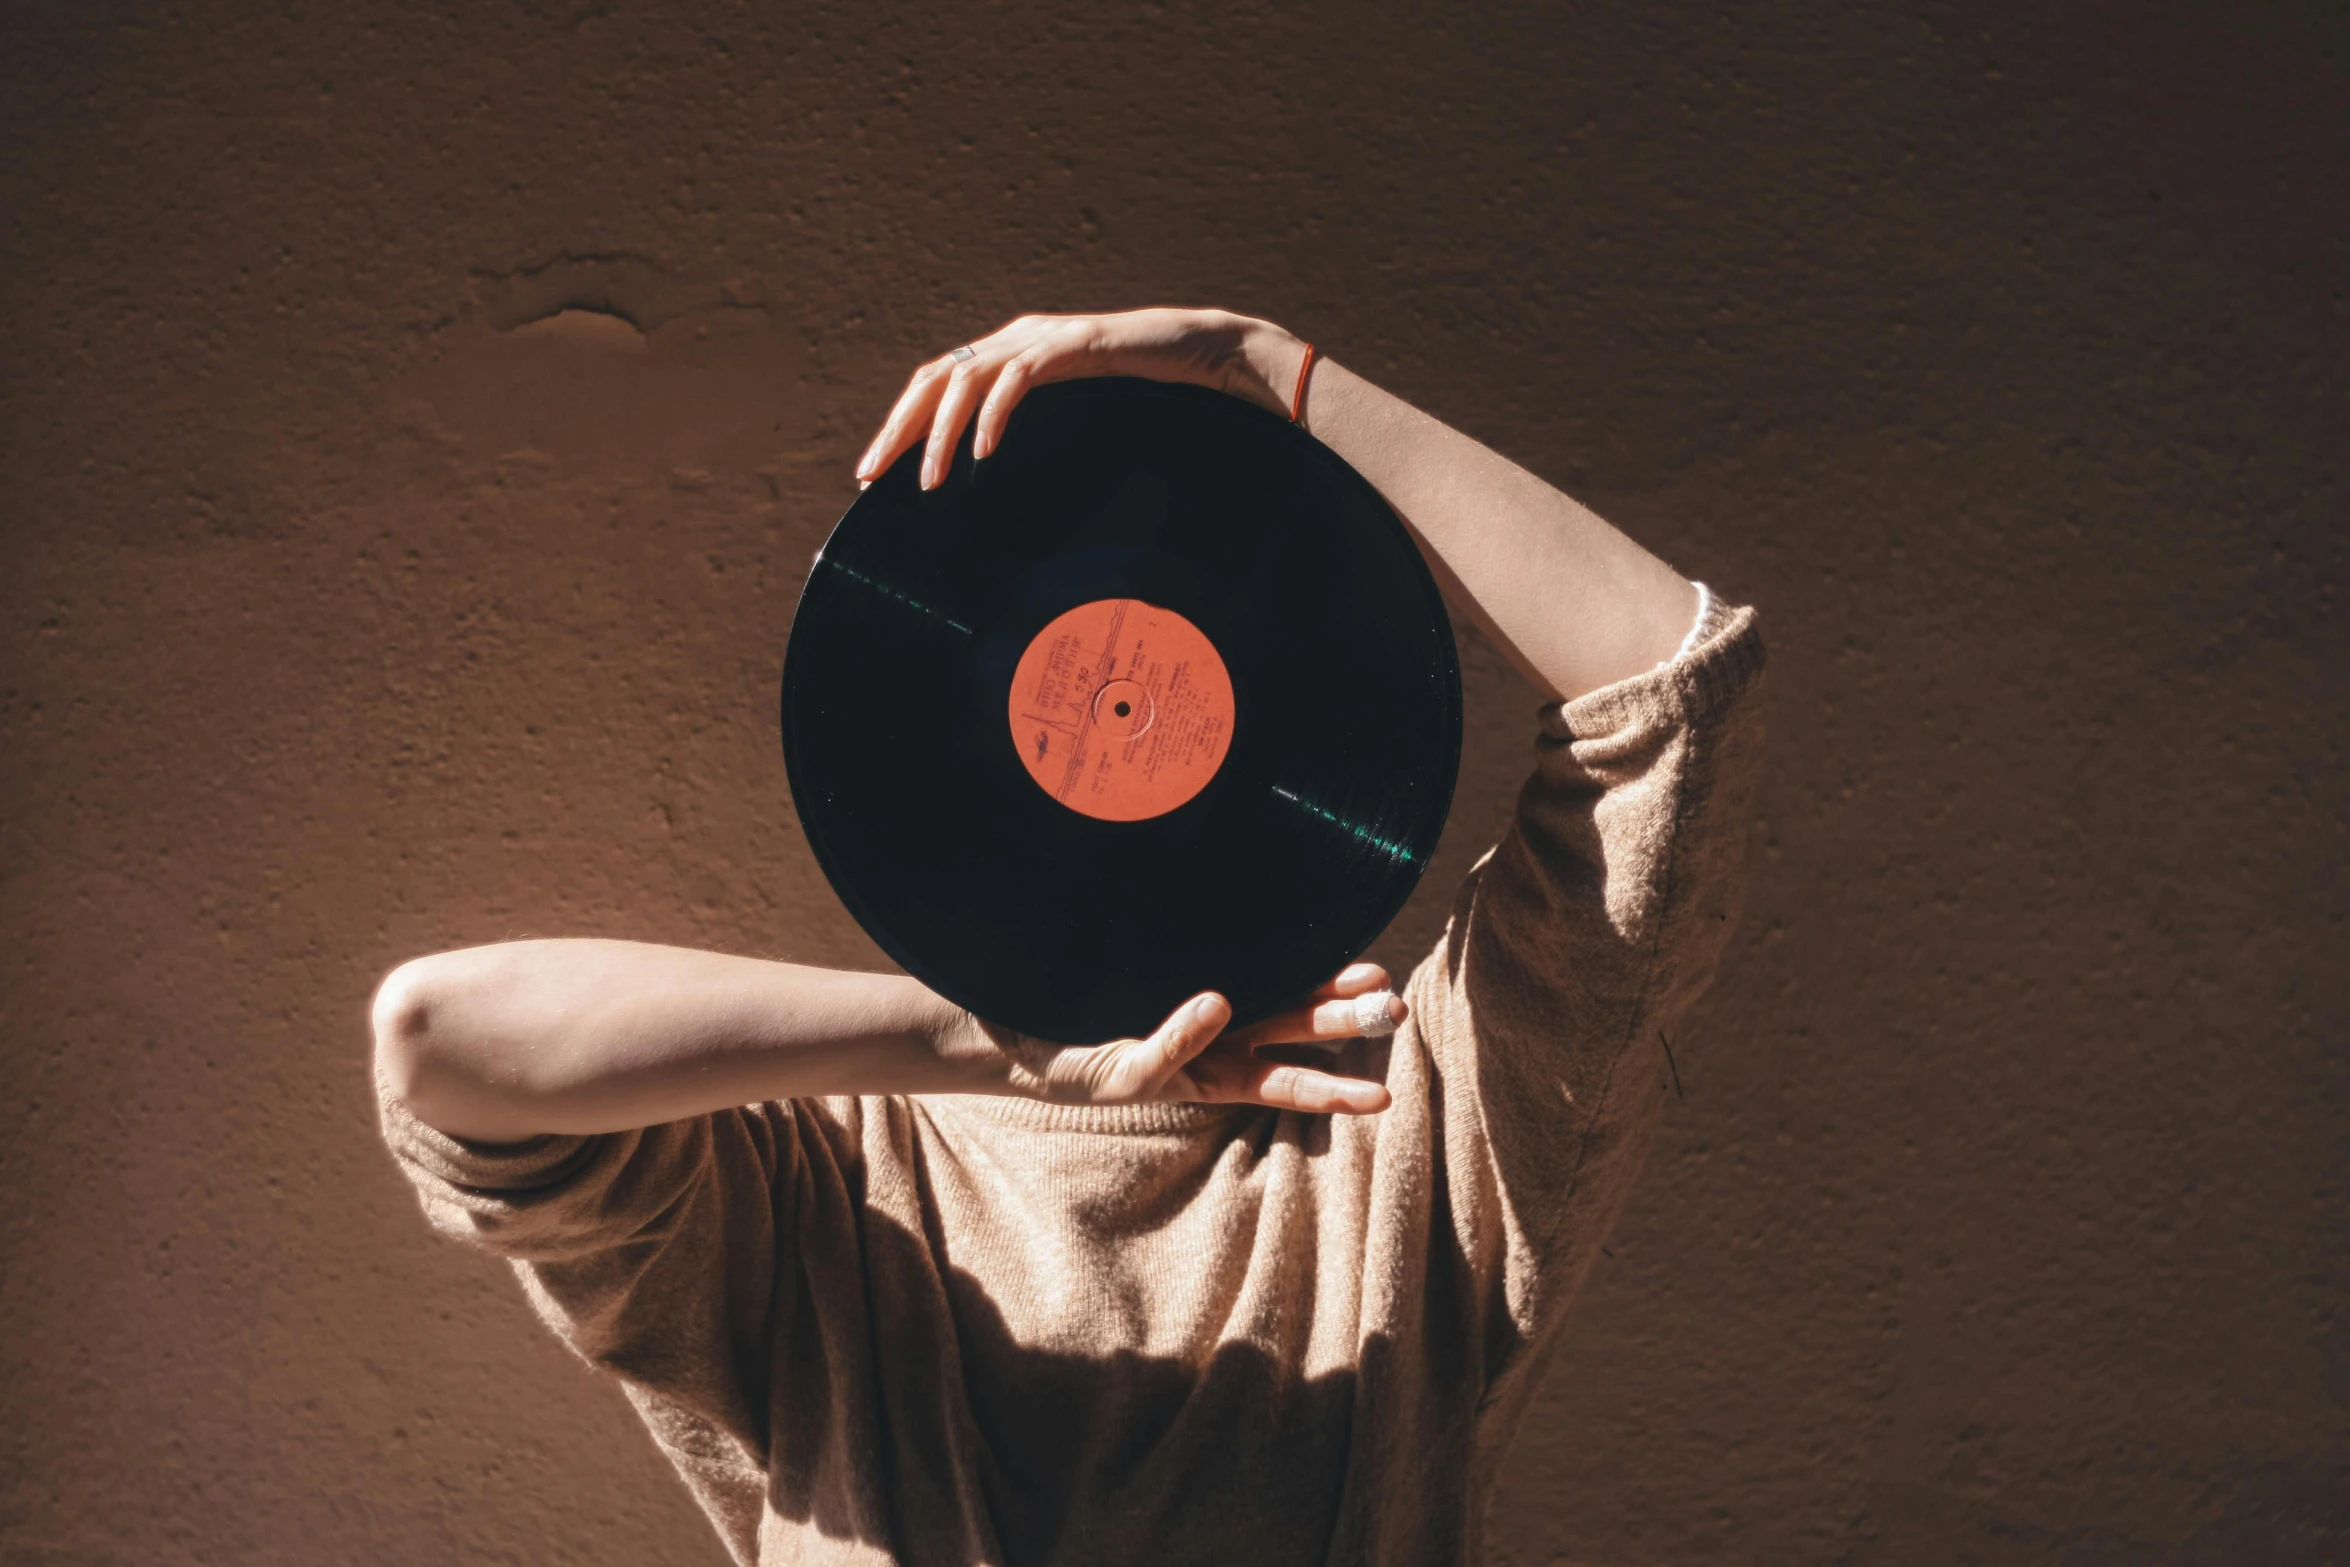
{"x": 505, "y": 1042}
{"x": 1572, "y": 602}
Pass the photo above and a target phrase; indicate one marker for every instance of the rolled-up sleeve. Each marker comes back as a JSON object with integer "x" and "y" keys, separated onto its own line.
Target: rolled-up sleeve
{"x": 1574, "y": 949}
{"x": 651, "y": 1253}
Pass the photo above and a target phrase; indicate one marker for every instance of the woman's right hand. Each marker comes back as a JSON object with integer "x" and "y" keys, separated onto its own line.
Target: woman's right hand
{"x": 1248, "y": 358}
{"x": 1189, "y": 1058}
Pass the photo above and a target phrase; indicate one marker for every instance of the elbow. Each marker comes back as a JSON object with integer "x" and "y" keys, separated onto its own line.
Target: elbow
{"x": 401, "y": 1023}
{"x": 425, "y": 1059}
{"x": 432, "y": 1057}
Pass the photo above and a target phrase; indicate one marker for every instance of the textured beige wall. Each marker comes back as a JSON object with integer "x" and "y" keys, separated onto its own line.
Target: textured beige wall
{"x": 1997, "y": 352}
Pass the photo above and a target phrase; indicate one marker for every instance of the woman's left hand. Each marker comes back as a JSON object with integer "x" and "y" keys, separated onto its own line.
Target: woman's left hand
{"x": 1248, "y": 358}
{"x": 1193, "y": 1057}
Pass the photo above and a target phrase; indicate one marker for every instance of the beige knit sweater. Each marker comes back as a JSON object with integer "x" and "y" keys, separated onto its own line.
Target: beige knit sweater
{"x": 965, "y": 1330}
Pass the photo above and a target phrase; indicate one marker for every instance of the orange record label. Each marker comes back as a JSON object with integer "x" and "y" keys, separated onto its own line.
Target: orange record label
{"x": 1121, "y": 710}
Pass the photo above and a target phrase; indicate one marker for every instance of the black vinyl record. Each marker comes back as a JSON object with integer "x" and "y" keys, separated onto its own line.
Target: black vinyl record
{"x": 1159, "y": 698}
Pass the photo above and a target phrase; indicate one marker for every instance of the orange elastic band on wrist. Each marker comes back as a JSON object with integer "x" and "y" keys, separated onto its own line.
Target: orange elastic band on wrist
{"x": 1297, "y": 399}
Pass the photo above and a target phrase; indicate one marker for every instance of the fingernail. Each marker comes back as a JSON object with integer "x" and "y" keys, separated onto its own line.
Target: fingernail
{"x": 1358, "y": 971}
{"x": 864, "y": 484}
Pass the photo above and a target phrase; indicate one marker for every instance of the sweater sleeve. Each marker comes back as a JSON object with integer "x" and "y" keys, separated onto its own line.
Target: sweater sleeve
{"x": 651, "y": 1254}
{"x": 1575, "y": 947}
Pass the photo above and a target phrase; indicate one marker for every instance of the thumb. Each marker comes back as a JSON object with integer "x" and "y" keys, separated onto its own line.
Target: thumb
{"x": 1188, "y": 1031}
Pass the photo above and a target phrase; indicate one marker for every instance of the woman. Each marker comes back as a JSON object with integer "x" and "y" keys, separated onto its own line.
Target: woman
{"x": 891, "y": 1283}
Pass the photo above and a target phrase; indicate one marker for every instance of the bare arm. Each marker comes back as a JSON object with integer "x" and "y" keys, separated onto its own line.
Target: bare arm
{"x": 506, "y": 1042}
{"x": 1571, "y": 601}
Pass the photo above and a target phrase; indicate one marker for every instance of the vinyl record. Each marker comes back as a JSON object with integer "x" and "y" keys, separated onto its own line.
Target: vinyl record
{"x": 1159, "y": 698}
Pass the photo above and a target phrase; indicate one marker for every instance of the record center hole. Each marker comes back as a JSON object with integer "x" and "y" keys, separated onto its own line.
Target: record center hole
{"x": 1124, "y": 706}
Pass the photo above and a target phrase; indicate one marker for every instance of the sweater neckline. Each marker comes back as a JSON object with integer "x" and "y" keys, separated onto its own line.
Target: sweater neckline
{"x": 1043, "y": 1116}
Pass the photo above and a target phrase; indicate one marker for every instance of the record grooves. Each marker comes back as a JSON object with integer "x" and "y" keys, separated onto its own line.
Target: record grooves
{"x": 1160, "y": 698}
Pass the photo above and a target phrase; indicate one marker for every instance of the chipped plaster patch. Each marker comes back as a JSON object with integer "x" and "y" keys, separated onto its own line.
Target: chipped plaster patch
{"x": 714, "y": 388}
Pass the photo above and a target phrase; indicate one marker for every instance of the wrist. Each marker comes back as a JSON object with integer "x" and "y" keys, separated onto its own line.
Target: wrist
{"x": 974, "y": 1056}
{"x": 1264, "y": 366}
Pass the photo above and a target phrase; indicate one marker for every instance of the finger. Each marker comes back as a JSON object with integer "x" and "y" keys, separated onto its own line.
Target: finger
{"x": 1298, "y": 1025}
{"x": 1353, "y": 980}
{"x": 1329, "y": 1022}
{"x": 1320, "y": 1093}
{"x": 1019, "y": 373}
{"x": 1235, "y": 1075}
{"x": 1178, "y": 1043}
{"x": 906, "y": 418}
{"x": 907, "y": 415}
{"x": 963, "y": 387}
{"x": 1192, "y": 1029}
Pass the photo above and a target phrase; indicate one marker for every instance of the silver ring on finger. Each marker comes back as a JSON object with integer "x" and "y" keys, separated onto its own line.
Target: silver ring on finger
{"x": 1372, "y": 1019}
{"x": 963, "y": 353}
